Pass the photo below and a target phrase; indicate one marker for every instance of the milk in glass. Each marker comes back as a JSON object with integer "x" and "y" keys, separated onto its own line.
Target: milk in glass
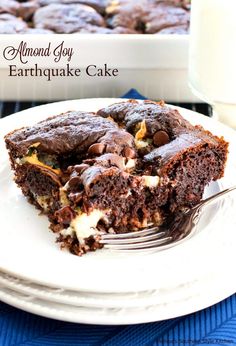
{"x": 212, "y": 58}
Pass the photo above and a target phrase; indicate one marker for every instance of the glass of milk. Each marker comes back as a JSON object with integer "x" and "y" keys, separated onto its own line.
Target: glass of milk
{"x": 212, "y": 58}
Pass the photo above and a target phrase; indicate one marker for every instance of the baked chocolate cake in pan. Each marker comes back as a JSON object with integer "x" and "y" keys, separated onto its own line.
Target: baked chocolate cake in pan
{"x": 130, "y": 165}
{"x": 94, "y": 16}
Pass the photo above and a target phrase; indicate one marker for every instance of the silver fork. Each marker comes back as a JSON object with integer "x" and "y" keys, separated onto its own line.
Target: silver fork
{"x": 162, "y": 237}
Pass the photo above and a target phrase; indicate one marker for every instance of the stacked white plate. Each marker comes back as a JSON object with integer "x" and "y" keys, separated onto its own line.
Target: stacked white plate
{"x": 107, "y": 287}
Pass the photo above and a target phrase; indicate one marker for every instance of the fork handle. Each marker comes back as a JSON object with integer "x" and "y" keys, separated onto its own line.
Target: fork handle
{"x": 213, "y": 198}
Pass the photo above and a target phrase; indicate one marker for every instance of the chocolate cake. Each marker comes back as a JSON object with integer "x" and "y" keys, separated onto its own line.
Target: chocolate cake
{"x": 67, "y": 19}
{"x": 95, "y": 16}
{"x": 10, "y": 24}
{"x": 128, "y": 166}
{"x": 148, "y": 16}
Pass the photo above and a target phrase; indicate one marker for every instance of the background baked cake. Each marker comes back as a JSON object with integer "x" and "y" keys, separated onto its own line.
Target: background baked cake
{"x": 128, "y": 166}
{"x": 94, "y": 16}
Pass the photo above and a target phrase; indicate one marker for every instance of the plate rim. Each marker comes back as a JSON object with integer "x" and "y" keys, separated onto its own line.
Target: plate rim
{"x": 121, "y": 315}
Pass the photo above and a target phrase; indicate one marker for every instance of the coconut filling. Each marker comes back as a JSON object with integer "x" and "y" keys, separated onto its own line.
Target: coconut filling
{"x": 151, "y": 181}
{"x": 130, "y": 164}
{"x": 32, "y": 158}
{"x": 44, "y": 201}
{"x": 85, "y": 225}
{"x": 63, "y": 197}
{"x": 141, "y": 131}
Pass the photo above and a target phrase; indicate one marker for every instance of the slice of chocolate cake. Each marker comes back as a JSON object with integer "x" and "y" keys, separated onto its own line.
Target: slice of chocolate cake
{"x": 130, "y": 165}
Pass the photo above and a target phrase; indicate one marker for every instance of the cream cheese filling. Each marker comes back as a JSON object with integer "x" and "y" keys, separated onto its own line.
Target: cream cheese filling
{"x": 130, "y": 164}
{"x": 63, "y": 197}
{"x": 84, "y": 225}
{"x": 44, "y": 201}
{"x": 151, "y": 181}
{"x": 141, "y": 144}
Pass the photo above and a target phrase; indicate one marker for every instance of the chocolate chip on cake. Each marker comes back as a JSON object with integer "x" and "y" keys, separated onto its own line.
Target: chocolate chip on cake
{"x": 74, "y": 182}
{"x": 161, "y": 138}
{"x": 80, "y": 168}
{"x": 97, "y": 148}
{"x": 75, "y": 197}
{"x": 129, "y": 153}
{"x": 65, "y": 215}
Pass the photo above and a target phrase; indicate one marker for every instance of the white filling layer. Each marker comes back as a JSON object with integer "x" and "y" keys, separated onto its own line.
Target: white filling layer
{"x": 151, "y": 181}
{"x": 63, "y": 197}
{"x": 84, "y": 225}
{"x": 141, "y": 144}
{"x": 130, "y": 163}
{"x": 43, "y": 201}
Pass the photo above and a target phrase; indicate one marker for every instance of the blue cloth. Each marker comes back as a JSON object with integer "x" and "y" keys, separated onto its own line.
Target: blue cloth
{"x": 133, "y": 94}
{"x": 213, "y": 326}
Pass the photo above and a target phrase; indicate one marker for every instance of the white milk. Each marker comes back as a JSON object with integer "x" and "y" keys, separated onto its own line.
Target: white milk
{"x": 212, "y": 60}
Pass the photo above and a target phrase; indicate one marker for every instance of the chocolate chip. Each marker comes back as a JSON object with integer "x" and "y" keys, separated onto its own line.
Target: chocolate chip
{"x": 97, "y": 148}
{"x": 65, "y": 215}
{"x": 80, "y": 168}
{"x": 74, "y": 170}
{"x": 129, "y": 153}
{"x": 74, "y": 182}
{"x": 70, "y": 169}
{"x": 76, "y": 197}
{"x": 160, "y": 138}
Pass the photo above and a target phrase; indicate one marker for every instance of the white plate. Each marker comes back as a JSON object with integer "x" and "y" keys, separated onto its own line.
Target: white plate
{"x": 106, "y": 300}
{"x": 28, "y": 249}
{"x": 191, "y": 298}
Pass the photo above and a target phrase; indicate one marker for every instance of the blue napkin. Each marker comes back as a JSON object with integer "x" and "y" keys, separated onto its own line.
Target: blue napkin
{"x": 213, "y": 326}
{"x": 133, "y": 94}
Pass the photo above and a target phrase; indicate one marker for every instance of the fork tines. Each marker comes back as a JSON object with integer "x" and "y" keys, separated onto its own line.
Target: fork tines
{"x": 145, "y": 239}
